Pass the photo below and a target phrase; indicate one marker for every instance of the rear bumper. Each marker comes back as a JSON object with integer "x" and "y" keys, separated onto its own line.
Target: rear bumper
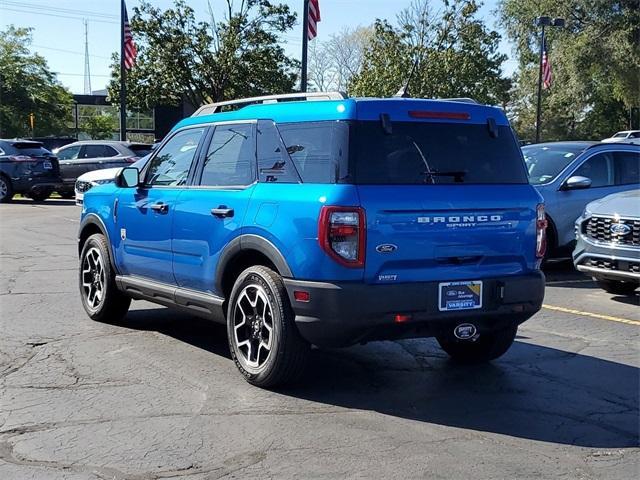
{"x": 30, "y": 185}
{"x": 341, "y": 314}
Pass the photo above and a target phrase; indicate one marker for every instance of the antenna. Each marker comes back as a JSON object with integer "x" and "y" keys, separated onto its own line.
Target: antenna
{"x": 404, "y": 90}
{"x": 87, "y": 72}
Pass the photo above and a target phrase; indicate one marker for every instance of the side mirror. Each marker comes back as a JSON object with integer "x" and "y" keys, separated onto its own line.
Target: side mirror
{"x": 577, "y": 183}
{"x": 128, "y": 177}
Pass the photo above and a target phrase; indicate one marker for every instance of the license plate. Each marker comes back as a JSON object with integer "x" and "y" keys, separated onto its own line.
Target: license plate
{"x": 47, "y": 165}
{"x": 460, "y": 295}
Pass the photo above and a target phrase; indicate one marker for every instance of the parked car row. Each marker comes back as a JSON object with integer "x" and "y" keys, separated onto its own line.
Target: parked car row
{"x": 29, "y": 169}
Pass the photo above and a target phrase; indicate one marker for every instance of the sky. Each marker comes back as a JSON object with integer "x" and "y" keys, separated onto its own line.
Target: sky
{"x": 58, "y": 29}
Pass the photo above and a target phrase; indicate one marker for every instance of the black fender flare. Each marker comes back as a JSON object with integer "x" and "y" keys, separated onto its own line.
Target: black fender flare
{"x": 250, "y": 242}
{"x": 95, "y": 220}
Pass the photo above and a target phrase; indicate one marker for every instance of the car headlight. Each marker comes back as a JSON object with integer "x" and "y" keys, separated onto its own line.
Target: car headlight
{"x": 102, "y": 182}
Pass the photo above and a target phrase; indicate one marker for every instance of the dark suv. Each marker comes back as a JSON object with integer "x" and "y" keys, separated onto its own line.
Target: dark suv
{"x": 88, "y": 155}
{"x": 26, "y": 167}
{"x": 326, "y": 222}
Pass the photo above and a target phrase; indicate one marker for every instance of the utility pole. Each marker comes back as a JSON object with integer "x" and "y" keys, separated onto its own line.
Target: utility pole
{"x": 305, "y": 42}
{"x": 87, "y": 72}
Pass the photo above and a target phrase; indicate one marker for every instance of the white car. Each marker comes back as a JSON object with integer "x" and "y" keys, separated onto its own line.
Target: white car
{"x": 626, "y": 136}
{"x": 87, "y": 181}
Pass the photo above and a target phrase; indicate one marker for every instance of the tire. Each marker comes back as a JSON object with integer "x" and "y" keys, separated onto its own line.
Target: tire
{"x": 100, "y": 297}
{"x": 40, "y": 194}
{"x": 6, "y": 189}
{"x": 266, "y": 347}
{"x": 618, "y": 287}
{"x": 487, "y": 347}
{"x": 66, "y": 194}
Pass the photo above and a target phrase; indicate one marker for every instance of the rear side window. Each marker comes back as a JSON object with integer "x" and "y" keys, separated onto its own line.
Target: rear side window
{"x": 627, "y": 167}
{"x": 274, "y": 164}
{"x": 98, "y": 151}
{"x": 141, "y": 150}
{"x": 417, "y": 153}
{"x": 230, "y": 157}
{"x": 170, "y": 167}
{"x": 319, "y": 150}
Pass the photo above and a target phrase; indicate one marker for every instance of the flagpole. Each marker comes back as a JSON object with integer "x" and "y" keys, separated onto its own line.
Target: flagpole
{"x": 539, "y": 107}
{"x": 305, "y": 41}
{"x": 123, "y": 77}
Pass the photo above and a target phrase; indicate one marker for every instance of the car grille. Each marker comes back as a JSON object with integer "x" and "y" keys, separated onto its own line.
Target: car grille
{"x": 82, "y": 186}
{"x": 599, "y": 228}
{"x": 614, "y": 265}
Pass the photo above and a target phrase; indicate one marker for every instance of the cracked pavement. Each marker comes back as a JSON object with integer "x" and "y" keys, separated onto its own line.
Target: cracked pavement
{"x": 157, "y": 396}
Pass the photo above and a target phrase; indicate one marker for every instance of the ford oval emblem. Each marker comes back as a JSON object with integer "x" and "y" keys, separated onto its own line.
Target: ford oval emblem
{"x": 620, "y": 229}
{"x": 386, "y": 248}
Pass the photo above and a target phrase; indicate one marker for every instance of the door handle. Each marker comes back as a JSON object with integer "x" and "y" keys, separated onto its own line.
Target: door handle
{"x": 160, "y": 207}
{"x": 222, "y": 212}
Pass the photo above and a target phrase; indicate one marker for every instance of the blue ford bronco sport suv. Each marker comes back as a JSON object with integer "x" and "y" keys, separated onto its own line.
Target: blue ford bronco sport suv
{"x": 320, "y": 219}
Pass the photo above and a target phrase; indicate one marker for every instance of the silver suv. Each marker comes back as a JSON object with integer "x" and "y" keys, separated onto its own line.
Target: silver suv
{"x": 608, "y": 248}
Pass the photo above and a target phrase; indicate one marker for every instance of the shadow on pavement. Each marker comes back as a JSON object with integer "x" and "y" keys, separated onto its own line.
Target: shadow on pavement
{"x": 628, "y": 299}
{"x": 50, "y": 201}
{"x": 533, "y": 392}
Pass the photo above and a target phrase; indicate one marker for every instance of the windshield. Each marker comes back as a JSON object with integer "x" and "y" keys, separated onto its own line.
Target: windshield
{"x": 545, "y": 162}
{"x": 419, "y": 153}
{"x": 620, "y": 135}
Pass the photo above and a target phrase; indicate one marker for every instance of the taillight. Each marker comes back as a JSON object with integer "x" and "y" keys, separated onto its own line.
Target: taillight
{"x": 541, "y": 231}
{"x": 21, "y": 158}
{"x": 132, "y": 159}
{"x": 341, "y": 233}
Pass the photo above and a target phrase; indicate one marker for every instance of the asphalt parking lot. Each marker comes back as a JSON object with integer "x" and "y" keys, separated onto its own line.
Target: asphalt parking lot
{"x": 158, "y": 396}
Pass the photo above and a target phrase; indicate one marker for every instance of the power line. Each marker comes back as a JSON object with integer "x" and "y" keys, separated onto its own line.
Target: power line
{"x": 72, "y": 11}
{"x": 69, "y": 51}
{"x": 33, "y": 12}
{"x": 80, "y": 75}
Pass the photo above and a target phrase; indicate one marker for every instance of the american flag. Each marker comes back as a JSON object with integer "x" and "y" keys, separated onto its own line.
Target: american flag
{"x": 314, "y": 18}
{"x": 547, "y": 76}
{"x": 130, "y": 51}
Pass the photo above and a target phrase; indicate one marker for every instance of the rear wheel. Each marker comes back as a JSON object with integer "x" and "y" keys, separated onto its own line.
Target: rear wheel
{"x": 101, "y": 298}
{"x": 6, "y": 189}
{"x": 264, "y": 342}
{"x": 40, "y": 194}
{"x": 67, "y": 194}
{"x": 618, "y": 287}
{"x": 487, "y": 347}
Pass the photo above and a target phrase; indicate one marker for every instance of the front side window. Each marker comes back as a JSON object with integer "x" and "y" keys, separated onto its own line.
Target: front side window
{"x": 171, "y": 165}
{"x": 70, "y": 153}
{"x": 319, "y": 150}
{"x": 231, "y": 156}
{"x": 419, "y": 153}
{"x": 599, "y": 169}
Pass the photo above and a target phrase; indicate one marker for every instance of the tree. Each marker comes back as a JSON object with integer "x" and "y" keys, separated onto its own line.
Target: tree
{"x": 200, "y": 62}
{"x": 595, "y": 61}
{"x": 28, "y": 86}
{"x": 100, "y": 127}
{"x": 332, "y": 64}
{"x": 454, "y": 55}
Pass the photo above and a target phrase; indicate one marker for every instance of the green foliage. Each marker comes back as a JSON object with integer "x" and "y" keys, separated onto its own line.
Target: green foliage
{"x": 100, "y": 127}
{"x": 454, "y": 53}
{"x": 595, "y": 62}
{"x": 28, "y": 86}
{"x": 180, "y": 58}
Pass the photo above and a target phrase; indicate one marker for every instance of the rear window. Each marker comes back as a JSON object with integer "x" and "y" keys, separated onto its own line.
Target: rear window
{"x": 416, "y": 153}
{"x": 30, "y": 149}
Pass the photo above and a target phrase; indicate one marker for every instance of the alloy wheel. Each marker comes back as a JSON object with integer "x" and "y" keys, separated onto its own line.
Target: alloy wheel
{"x": 253, "y": 327}
{"x": 3, "y": 188}
{"x": 93, "y": 278}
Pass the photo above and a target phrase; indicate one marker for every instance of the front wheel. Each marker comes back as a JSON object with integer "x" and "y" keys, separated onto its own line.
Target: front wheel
{"x": 618, "y": 287}
{"x": 100, "y": 296}
{"x": 264, "y": 341}
{"x": 40, "y": 194}
{"x": 487, "y": 347}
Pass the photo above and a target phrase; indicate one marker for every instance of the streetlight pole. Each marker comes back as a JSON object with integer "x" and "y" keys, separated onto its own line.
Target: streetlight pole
{"x": 543, "y": 22}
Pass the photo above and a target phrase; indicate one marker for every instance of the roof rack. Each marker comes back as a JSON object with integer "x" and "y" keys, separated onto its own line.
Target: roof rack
{"x": 460, "y": 99}
{"x": 285, "y": 97}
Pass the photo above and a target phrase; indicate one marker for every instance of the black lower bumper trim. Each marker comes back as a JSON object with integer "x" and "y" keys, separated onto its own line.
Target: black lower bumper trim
{"x": 347, "y": 313}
